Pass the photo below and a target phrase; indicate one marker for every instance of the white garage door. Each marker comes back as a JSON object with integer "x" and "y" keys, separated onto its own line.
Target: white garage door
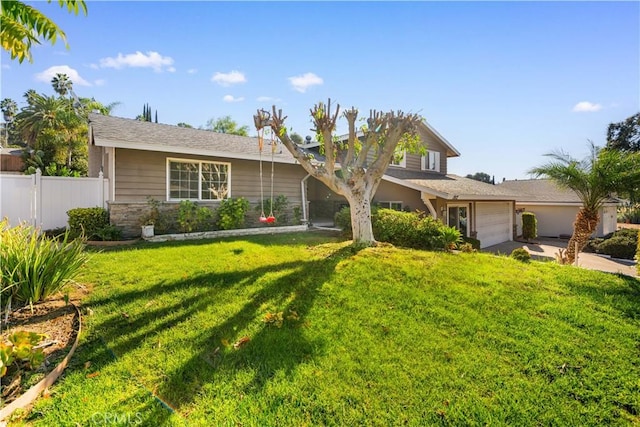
{"x": 493, "y": 223}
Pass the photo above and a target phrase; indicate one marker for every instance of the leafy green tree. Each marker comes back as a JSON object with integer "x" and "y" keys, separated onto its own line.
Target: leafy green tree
{"x": 184, "y": 125}
{"x": 625, "y": 135}
{"x": 9, "y": 109}
{"x": 594, "y": 180}
{"x": 353, "y": 167}
{"x": 226, "y": 125}
{"x": 482, "y": 177}
{"x": 297, "y": 138}
{"x": 62, "y": 84}
{"x": 22, "y": 25}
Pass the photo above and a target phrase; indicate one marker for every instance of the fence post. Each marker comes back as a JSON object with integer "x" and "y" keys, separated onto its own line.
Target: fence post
{"x": 101, "y": 183}
{"x": 36, "y": 207}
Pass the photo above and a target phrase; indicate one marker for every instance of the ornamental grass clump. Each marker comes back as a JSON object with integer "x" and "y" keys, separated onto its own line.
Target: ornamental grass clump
{"x": 34, "y": 266}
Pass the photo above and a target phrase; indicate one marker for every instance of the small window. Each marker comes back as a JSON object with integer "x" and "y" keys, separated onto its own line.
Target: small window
{"x": 458, "y": 217}
{"x": 431, "y": 161}
{"x": 396, "y": 206}
{"x": 196, "y": 180}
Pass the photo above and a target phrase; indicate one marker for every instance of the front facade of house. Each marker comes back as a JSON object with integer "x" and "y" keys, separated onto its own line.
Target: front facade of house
{"x": 420, "y": 182}
{"x": 170, "y": 164}
{"x": 556, "y": 208}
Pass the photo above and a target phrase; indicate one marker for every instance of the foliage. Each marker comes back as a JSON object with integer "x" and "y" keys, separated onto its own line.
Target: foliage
{"x": 593, "y": 179}
{"x": 619, "y": 244}
{"x": 521, "y": 254}
{"x": 475, "y": 243}
{"x": 146, "y": 114}
{"x": 638, "y": 254}
{"x": 108, "y": 233}
{"x": 9, "y": 109}
{"x": 482, "y": 177}
{"x": 22, "y": 25}
{"x": 386, "y": 337}
{"x": 467, "y": 248}
{"x": 192, "y": 217}
{"x": 231, "y": 213}
{"x": 529, "y": 225}
{"x": 354, "y": 165}
{"x": 625, "y": 135}
{"x": 297, "y": 215}
{"x": 87, "y": 222}
{"x": 227, "y": 125}
{"x": 450, "y": 237}
{"x": 280, "y": 205}
{"x": 296, "y": 138}
{"x": 155, "y": 217}
{"x": 412, "y": 230}
{"x": 629, "y": 213}
{"x": 19, "y": 347}
{"x": 34, "y": 266}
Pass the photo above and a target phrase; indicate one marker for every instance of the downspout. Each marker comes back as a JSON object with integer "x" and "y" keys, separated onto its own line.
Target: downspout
{"x": 303, "y": 192}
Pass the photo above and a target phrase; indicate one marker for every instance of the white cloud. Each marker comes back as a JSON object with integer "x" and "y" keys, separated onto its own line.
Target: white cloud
{"x": 228, "y": 79}
{"x": 230, "y": 98}
{"x": 99, "y": 82}
{"x": 50, "y": 72}
{"x": 303, "y": 82}
{"x": 6, "y": 67}
{"x": 171, "y": 69}
{"x": 192, "y": 70}
{"x": 586, "y": 107}
{"x": 139, "y": 60}
{"x": 94, "y": 66}
{"x": 268, "y": 99}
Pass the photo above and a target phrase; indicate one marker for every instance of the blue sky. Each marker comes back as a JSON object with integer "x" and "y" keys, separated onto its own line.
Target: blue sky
{"x": 504, "y": 82}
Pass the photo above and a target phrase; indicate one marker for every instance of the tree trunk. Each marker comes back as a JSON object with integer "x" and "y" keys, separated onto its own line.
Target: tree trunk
{"x": 584, "y": 226}
{"x": 360, "y": 207}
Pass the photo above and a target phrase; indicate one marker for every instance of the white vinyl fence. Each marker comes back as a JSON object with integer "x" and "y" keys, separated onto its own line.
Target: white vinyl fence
{"x": 43, "y": 201}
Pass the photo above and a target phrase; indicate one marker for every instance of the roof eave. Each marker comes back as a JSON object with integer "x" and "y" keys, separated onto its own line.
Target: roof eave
{"x": 103, "y": 142}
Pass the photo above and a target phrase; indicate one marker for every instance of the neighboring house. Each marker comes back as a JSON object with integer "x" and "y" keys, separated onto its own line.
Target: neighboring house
{"x": 555, "y": 208}
{"x": 477, "y": 209}
{"x": 170, "y": 164}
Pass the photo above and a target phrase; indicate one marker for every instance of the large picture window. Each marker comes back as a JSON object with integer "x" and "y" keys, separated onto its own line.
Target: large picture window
{"x": 197, "y": 180}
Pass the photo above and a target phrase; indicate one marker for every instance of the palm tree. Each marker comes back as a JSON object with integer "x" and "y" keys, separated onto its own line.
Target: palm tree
{"x": 62, "y": 84}
{"x": 42, "y": 112}
{"x": 594, "y": 180}
{"x": 22, "y": 25}
{"x": 9, "y": 109}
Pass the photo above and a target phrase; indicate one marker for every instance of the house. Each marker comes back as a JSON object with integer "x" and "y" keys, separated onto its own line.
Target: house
{"x": 556, "y": 208}
{"x": 421, "y": 182}
{"x": 171, "y": 164}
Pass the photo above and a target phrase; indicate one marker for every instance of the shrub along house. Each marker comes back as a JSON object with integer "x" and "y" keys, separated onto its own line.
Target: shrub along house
{"x": 170, "y": 164}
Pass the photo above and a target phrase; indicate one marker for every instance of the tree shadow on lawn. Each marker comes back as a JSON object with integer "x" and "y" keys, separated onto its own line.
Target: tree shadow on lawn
{"x": 270, "y": 350}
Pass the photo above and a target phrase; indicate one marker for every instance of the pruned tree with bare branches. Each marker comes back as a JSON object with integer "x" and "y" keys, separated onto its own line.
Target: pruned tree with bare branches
{"x": 353, "y": 167}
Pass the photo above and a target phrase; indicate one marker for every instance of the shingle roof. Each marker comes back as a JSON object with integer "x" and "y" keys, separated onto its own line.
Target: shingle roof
{"x": 109, "y": 131}
{"x": 542, "y": 191}
{"x": 448, "y": 186}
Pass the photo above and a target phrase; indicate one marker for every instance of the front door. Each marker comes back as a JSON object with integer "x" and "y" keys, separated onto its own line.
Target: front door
{"x": 459, "y": 218}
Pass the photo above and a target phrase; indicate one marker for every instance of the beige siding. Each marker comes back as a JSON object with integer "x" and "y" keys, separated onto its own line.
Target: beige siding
{"x": 95, "y": 160}
{"x": 140, "y": 174}
{"x": 389, "y": 192}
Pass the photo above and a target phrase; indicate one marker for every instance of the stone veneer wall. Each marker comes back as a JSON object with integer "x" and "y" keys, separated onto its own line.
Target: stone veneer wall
{"x": 128, "y": 215}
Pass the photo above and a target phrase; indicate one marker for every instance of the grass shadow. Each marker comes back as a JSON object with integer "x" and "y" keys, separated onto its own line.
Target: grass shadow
{"x": 270, "y": 351}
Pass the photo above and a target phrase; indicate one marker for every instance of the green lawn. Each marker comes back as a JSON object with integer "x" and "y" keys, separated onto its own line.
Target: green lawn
{"x": 381, "y": 336}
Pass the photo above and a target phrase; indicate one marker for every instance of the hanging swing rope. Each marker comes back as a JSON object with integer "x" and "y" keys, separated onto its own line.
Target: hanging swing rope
{"x": 263, "y": 218}
{"x": 262, "y": 120}
{"x": 271, "y": 219}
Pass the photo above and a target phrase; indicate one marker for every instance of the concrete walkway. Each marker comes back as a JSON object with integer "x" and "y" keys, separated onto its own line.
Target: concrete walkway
{"x": 547, "y": 248}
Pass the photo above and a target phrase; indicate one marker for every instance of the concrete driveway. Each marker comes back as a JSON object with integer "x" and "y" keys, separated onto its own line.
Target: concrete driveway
{"x": 547, "y": 248}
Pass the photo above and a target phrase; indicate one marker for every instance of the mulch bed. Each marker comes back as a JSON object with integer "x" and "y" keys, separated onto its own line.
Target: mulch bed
{"x": 55, "y": 319}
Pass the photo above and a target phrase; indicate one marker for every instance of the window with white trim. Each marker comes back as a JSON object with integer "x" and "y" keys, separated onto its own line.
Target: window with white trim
{"x": 398, "y": 161}
{"x": 197, "y": 180}
{"x": 431, "y": 161}
{"x": 396, "y": 206}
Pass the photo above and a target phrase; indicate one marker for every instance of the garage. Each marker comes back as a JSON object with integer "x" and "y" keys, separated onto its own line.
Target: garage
{"x": 494, "y": 222}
